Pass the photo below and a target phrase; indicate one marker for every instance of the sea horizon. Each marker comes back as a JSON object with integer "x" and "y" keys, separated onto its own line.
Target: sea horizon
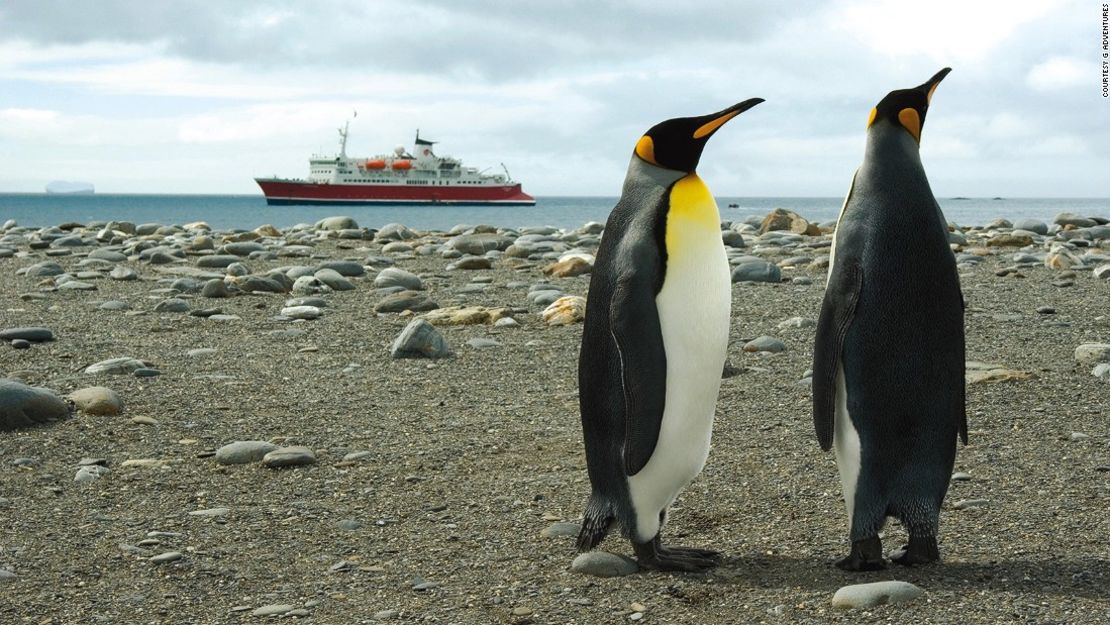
{"x": 247, "y": 211}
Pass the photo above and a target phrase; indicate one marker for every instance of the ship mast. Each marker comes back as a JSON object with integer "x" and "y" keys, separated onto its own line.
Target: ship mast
{"x": 343, "y": 139}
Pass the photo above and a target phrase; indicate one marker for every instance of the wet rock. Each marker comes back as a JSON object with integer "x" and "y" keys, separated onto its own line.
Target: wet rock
{"x": 419, "y": 339}
{"x": 35, "y": 335}
{"x": 23, "y": 406}
{"x": 97, "y": 400}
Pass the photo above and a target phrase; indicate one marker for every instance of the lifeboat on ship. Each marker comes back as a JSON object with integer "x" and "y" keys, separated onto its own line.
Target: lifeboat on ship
{"x": 402, "y": 165}
{"x": 375, "y": 164}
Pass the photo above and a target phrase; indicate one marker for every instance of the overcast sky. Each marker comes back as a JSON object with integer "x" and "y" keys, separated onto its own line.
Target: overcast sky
{"x": 200, "y": 97}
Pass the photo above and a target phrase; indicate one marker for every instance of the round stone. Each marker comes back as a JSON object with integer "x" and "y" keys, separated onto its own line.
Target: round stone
{"x": 97, "y": 400}
{"x": 603, "y": 564}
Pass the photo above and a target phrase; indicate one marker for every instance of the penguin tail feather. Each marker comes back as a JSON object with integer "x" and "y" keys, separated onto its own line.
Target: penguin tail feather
{"x": 599, "y": 516}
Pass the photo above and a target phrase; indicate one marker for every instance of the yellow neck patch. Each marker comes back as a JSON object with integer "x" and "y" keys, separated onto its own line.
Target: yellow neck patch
{"x": 911, "y": 121}
{"x": 645, "y": 149}
{"x": 692, "y": 215}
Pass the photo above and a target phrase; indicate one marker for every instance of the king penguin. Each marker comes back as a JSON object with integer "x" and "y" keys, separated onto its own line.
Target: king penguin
{"x": 654, "y": 341}
{"x": 888, "y": 362}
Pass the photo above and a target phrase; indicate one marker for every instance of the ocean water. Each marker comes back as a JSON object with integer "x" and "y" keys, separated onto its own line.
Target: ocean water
{"x": 250, "y": 211}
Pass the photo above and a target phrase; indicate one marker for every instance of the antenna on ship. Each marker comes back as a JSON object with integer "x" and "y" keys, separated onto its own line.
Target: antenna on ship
{"x": 343, "y": 136}
{"x": 508, "y": 176}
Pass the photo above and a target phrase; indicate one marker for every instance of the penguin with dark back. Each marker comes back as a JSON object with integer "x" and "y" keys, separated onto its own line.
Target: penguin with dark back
{"x": 888, "y": 363}
{"x": 654, "y": 342}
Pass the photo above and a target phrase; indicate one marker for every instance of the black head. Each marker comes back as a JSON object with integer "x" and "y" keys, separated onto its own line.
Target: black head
{"x": 677, "y": 143}
{"x": 907, "y": 107}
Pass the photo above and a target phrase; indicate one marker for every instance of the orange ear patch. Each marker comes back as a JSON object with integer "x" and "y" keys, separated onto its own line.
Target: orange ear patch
{"x": 645, "y": 149}
{"x": 911, "y": 121}
{"x": 871, "y": 118}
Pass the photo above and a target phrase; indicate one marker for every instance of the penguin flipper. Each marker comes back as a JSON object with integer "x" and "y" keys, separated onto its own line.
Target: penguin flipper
{"x": 841, "y": 295}
{"x": 634, "y": 320}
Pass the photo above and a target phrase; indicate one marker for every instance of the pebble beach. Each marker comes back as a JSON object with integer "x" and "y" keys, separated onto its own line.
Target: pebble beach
{"x": 335, "y": 423}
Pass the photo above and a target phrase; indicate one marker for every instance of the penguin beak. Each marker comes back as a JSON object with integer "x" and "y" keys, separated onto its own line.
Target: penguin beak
{"x": 716, "y": 120}
{"x": 931, "y": 85}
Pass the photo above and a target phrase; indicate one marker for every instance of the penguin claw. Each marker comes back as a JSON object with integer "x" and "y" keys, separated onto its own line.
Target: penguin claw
{"x": 653, "y": 555}
{"x": 866, "y": 555}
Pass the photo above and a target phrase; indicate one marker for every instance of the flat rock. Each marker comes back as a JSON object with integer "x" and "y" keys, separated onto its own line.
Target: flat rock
{"x": 603, "y": 564}
{"x": 123, "y": 274}
{"x": 243, "y": 452}
{"x": 765, "y": 344}
{"x": 23, "y": 406}
{"x": 757, "y": 271}
{"x": 97, "y": 400}
{"x": 479, "y": 243}
{"x": 116, "y": 366}
{"x": 345, "y": 268}
{"x": 419, "y": 339}
{"x": 466, "y": 315}
{"x": 274, "y": 609}
{"x": 210, "y": 512}
{"x": 561, "y": 530}
{"x": 334, "y": 280}
{"x": 483, "y": 343}
{"x": 875, "y": 593}
{"x": 293, "y": 456}
{"x": 33, "y": 334}
{"x": 568, "y": 268}
{"x": 217, "y": 261}
{"x": 336, "y": 223}
{"x": 167, "y": 557}
{"x": 565, "y": 311}
{"x": 301, "y": 312}
{"x": 405, "y": 300}
{"x": 1090, "y": 354}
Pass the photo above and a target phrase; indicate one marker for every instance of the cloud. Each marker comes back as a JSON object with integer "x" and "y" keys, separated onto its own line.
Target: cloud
{"x": 1061, "y": 73}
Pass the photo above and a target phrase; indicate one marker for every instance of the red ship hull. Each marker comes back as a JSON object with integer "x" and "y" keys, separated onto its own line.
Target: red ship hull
{"x": 279, "y": 191}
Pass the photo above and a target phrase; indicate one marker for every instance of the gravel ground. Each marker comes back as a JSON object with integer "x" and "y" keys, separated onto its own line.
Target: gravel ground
{"x": 470, "y": 458}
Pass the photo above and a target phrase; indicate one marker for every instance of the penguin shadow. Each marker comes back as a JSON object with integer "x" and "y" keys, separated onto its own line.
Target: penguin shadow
{"x": 1087, "y": 577}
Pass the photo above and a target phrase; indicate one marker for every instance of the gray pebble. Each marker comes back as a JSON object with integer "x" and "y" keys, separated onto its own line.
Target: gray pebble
{"x": 273, "y": 609}
{"x": 21, "y": 344}
{"x": 561, "y": 530}
{"x": 210, "y": 512}
{"x": 301, "y": 312}
{"x": 482, "y": 343}
{"x": 243, "y": 452}
{"x": 293, "y": 456}
{"x": 960, "y": 476}
{"x": 169, "y": 556}
{"x": 349, "y": 524}
{"x": 970, "y": 504}
{"x": 89, "y": 473}
{"x": 146, "y": 372}
{"x": 765, "y": 344}
{"x": 115, "y": 366}
{"x": 603, "y": 564}
{"x": 757, "y": 271}
{"x": 172, "y": 305}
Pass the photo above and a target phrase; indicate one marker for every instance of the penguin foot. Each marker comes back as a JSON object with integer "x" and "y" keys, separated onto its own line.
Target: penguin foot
{"x": 920, "y": 550}
{"x": 866, "y": 555}
{"x": 653, "y": 555}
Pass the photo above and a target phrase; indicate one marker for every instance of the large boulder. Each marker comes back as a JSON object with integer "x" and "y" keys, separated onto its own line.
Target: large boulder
{"x": 23, "y": 406}
{"x": 782, "y": 219}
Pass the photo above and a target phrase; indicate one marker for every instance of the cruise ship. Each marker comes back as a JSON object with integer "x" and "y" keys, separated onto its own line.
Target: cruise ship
{"x": 407, "y": 176}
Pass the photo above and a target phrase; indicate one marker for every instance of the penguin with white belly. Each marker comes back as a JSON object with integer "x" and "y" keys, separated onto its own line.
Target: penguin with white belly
{"x": 888, "y": 363}
{"x": 654, "y": 341}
